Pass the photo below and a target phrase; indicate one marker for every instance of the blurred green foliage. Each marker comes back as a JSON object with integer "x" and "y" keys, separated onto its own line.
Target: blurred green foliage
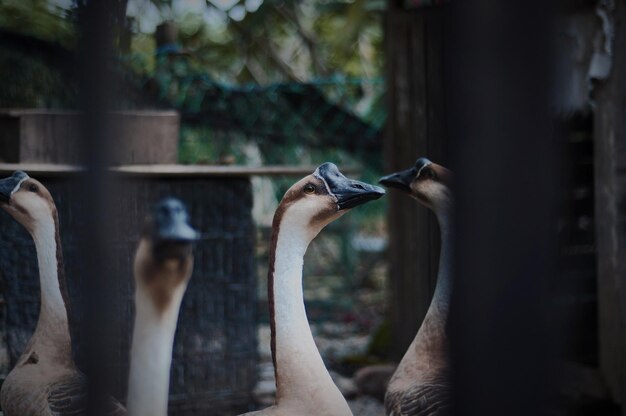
{"x": 38, "y": 18}
{"x": 27, "y": 82}
{"x": 27, "y": 79}
{"x": 270, "y": 41}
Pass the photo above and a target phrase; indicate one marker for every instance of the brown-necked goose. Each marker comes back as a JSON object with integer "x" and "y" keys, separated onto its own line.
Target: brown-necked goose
{"x": 163, "y": 266}
{"x": 45, "y": 380}
{"x": 420, "y": 385}
{"x": 304, "y": 386}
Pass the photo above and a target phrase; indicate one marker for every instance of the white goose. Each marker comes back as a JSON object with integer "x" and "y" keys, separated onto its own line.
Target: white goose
{"x": 419, "y": 385}
{"x": 45, "y": 380}
{"x": 163, "y": 266}
{"x": 304, "y": 386}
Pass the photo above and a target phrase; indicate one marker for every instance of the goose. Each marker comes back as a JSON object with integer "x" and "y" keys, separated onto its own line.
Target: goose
{"x": 419, "y": 385}
{"x": 303, "y": 385}
{"x": 162, "y": 268}
{"x": 45, "y": 380}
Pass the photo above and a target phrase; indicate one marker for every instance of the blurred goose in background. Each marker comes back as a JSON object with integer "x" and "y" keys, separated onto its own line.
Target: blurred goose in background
{"x": 45, "y": 380}
{"x": 303, "y": 385}
{"x": 163, "y": 266}
{"x": 420, "y": 384}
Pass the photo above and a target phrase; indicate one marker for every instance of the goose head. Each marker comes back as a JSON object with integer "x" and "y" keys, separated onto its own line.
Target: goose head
{"x": 164, "y": 259}
{"x": 26, "y": 200}
{"x": 322, "y": 197}
{"x": 428, "y": 182}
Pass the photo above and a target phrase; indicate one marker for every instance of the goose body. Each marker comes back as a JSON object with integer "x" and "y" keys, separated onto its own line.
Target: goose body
{"x": 163, "y": 266}
{"x": 45, "y": 380}
{"x": 419, "y": 386}
{"x": 303, "y": 385}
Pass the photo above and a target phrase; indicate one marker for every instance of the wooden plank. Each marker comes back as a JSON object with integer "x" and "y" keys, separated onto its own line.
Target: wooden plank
{"x": 161, "y": 171}
{"x": 230, "y": 171}
{"x": 41, "y": 136}
{"x": 610, "y": 208}
{"x": 47, "y": 169}
{"x": 415, "y": 128}
{"x": 40, "y": 111}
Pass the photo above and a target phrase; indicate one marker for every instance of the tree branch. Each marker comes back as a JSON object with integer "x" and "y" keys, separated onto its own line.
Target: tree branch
{"x": 308, "y": 38}
{"x": 268, "y": 48}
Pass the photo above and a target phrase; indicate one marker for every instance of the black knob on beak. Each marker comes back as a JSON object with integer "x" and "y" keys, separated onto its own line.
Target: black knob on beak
{"x": 399, "y": 180}
{"x": 349, "y": 193}
{"x": 11, "y": 184}
{"x": 171, "y": 222}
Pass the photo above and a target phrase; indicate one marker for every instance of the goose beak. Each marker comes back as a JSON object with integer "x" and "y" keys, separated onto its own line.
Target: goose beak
{"x": 399, "y": 180}
{"x": 348, "y": 192}
{"x": 11, "y": 184}
{"x": 171, "y": 222}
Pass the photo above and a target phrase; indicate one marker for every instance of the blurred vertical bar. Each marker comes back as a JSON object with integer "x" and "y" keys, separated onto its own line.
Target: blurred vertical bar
{"x": 96, "y": 20}
{"x": 504, "y": 153}
{"x": 610, "y": 206}
{"x": 416, "y": 127}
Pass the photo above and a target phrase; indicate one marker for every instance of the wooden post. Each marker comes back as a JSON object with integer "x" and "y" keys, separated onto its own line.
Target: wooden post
{"x": 166, "y": 34}
{"x": 414, "y": 43}
{"x": 610, "y": 210}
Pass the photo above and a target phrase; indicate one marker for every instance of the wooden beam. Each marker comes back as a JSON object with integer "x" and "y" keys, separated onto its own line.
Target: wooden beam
{"x": 610, "y": 211}
{"x": 179, "y": 171}
{"x": 416, "y": 127}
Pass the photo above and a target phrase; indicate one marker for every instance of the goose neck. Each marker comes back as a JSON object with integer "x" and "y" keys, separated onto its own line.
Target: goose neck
{"x": 298, "y": 365}
{"x": 151, "y": 354}
{"x": 53, "y": 325}
{"x": 443, "y": 288}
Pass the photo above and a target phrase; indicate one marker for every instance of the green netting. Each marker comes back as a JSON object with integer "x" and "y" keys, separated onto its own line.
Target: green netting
{"x": 317, "y": 114}
{"x": 290, "y": 122}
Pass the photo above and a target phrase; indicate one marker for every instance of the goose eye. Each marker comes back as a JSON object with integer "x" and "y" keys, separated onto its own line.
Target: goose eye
{"x": 309, "y": 189}
{"x": 430, "y": 174}
{"x": 33, "y": 188}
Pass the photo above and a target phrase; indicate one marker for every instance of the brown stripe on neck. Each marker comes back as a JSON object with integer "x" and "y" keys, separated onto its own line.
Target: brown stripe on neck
{"x": 60, "y": 265}
{"x": 289, "y": 198}
{"x": 270, "y": 289}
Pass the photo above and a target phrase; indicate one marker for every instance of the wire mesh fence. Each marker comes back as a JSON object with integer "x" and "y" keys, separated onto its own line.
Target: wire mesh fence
{"x": 214, "y": 357}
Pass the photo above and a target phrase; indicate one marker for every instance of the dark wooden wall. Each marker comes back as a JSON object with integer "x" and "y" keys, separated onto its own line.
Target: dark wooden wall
{"x": 610, "y": 209}
{"x": 415, "y": 128}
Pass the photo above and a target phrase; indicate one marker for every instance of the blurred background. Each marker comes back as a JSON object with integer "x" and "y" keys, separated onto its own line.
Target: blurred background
{"x": 251, "y": 95}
